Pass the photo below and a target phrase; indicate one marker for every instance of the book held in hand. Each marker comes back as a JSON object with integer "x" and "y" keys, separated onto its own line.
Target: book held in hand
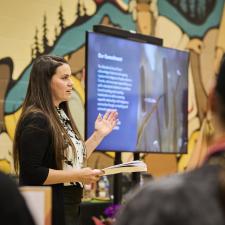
{"x": 128, "y": 167}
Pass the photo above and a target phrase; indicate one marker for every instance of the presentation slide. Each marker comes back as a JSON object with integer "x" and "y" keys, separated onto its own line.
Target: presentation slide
{"x": 146, "y": 84}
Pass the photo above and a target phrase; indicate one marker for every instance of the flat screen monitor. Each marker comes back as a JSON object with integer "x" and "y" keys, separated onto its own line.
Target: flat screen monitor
{"x": 147, "y": 84}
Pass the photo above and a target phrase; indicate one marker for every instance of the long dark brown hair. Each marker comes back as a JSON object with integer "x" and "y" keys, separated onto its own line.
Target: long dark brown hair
{"x": 39, "y": 100}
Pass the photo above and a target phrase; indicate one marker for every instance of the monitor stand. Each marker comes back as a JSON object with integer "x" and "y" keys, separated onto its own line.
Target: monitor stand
{"x": 136, "y": 177}
{"x": 117, "y": 184}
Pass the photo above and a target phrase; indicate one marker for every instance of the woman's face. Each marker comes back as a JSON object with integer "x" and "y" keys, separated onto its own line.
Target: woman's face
{"x": 61, "y": 84}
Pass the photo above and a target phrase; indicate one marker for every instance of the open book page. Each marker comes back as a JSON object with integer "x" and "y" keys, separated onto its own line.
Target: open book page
{"x": 128, "y": 167}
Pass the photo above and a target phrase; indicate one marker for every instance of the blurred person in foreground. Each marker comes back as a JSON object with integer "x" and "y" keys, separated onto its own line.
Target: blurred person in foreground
{"x": 13, "y": 208}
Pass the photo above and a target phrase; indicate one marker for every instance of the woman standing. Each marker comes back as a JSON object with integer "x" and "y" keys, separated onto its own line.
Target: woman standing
{"x": 48, "y": 149}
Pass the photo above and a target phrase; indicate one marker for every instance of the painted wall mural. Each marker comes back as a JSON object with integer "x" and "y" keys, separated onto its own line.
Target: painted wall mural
{"x": 58, "y": 27}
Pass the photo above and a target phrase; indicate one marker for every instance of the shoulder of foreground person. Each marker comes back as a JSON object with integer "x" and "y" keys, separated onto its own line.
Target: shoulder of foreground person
{"x": 172, "y": 199}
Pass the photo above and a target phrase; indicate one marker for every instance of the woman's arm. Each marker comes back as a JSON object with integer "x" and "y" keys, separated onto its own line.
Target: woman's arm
{"x": 103, "y": 126}
{"x": 35, "y": 145}
{"x": 93, "y": 141}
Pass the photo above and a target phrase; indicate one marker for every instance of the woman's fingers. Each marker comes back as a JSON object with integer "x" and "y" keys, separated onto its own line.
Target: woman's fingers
{"x": 91, "y": 175}
{"x": 98, "y": 172}
{"x": 99, "y": 116}
{"x": 106, "y": 115}
{"x": 110, "y": 116}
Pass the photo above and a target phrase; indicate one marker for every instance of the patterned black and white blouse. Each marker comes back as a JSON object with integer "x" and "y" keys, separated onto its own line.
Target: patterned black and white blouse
{"x": 71, "y": 161}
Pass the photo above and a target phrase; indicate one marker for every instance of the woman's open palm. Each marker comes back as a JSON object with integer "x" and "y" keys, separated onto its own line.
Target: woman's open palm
{"x": 104, "y": 125}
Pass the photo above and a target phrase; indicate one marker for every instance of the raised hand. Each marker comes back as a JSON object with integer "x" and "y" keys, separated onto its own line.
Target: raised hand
{"x": 104, "y": 125}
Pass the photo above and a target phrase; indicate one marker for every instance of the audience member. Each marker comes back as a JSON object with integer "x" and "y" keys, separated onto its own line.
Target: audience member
{"x": 13, "y": 209}
{"x": 189, "y": 199}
